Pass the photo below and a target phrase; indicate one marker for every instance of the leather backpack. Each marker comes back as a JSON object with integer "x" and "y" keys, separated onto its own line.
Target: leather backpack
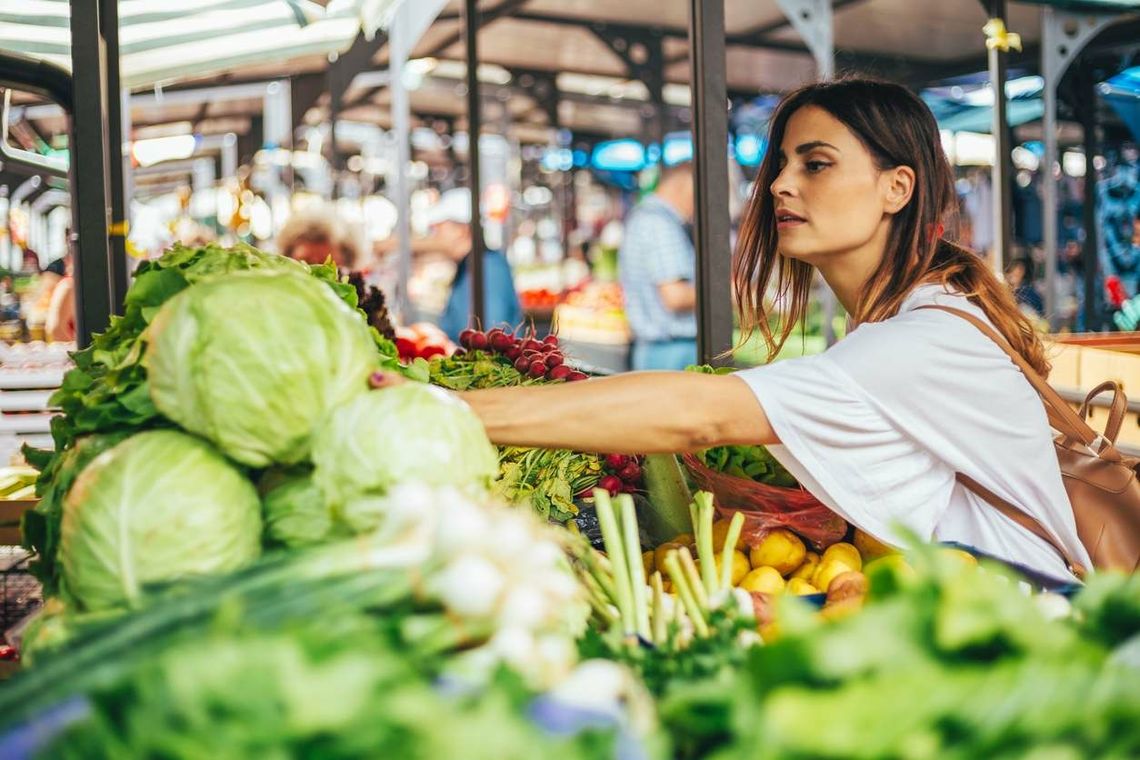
{"x": 1101, "y": 482}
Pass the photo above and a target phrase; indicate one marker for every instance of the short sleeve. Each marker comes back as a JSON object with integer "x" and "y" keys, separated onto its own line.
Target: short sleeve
{"x": 843, "y": 450}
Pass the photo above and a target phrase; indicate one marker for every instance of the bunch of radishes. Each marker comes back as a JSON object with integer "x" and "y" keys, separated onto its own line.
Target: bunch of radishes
{"x": 531, "y": 357}
{"x": 623, "y": 474}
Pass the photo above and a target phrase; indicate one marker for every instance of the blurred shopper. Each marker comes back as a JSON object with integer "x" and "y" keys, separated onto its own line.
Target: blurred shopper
{"x": 657, "y": 267}
{"x": 1019, "y": 277}
{"x": 59, "y": 324}
{"x": 902, "y": 425}
{"x": 314, "y": 237}
{"x": 450, "y": 221}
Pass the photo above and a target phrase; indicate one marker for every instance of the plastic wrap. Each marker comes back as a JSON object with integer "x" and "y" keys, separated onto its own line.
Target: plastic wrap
{"x": 767, "y": 507}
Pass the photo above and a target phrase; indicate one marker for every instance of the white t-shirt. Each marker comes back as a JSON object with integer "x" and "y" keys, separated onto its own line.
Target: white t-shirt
{"x": 877, "y": 426}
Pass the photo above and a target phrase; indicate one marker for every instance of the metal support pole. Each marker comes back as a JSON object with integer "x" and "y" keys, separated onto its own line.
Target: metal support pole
{"x": 1087, "y": 109}
{"x": 710, "y": 178}
{"x": 1003, "y": 163}
{"x": 336, "y": 94}
{"x": 89, "y": 161}
{"x": 116, "y": 174}
{"x": 474, "y": 127}
{"x": 1063, "y": 36}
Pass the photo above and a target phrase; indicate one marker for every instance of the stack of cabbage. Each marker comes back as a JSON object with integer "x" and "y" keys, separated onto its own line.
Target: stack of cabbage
{"x": 227, "y": 408}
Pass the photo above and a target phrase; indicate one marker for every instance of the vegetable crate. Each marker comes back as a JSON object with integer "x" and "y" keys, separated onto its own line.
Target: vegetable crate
{"x": 20, "y": 593}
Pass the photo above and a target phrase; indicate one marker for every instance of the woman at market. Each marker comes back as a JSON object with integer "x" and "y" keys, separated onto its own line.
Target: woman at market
{"x": 856, "y": 185}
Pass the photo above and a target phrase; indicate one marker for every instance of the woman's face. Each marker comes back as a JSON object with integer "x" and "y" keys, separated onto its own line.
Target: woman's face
{"x": 830, "y": 197}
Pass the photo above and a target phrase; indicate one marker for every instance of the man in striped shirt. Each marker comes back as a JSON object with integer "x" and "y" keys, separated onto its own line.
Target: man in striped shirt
{"x": 657, "y": 267}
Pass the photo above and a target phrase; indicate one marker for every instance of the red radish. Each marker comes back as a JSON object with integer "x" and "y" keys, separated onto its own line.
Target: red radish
{"x": 549, "y": 348}
{"x": 406, "y": 348}
{"x": 575, "y": 376}
{"x": 494, "y": 331}
{"x": 465, "y": 337}
{"x": 513, "y": 353}
{"x": 522, "y": 364}
{"x": 616, "y": 461}
{"x": 430, "y": 351}
{"x": 611, "y": 483}
{"x": 630, "y": 488}
{"x": 537, "y": 368}
{"x": 479, "y": 341}
{"x": 553, "y": 360}
{"x": 558, "y": 373}
{"x": 551, "y": 340}
{"x": 501, "y": 341}
{"x": 532, "y": 345}
{"x": 631, "y": 473}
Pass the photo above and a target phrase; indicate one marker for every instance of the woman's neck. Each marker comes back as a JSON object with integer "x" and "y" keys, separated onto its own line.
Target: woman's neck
{"x": 848, "y": 273}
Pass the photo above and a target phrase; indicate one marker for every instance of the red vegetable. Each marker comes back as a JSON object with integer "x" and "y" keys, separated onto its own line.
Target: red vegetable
{"x": 501, "y": 341}
{"x": 406, "y": 348}
{"x": 531, "y": 344}
{"x": 522, "y": 364}
{"x": 479, "y": 341}
{"x": 551, "y": 340}
{"x": 537, "y": 368}
{"x": 465, "y": 337}
{"x": 616, "y": 461}
{"x": 575, "y": 376}
{"x": 630, "y": 488}
{"x": 631, "y": 473}
{"x": 611, "y": 483}
{"x": 429, "y": 351}
{"x": 513, "y": 353}
{"x": 558, "y": 373}
{"x": 553, "y": 360}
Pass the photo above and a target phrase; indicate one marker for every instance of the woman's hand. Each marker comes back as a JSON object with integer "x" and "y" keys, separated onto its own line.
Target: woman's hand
{"x": 383, "y": 379}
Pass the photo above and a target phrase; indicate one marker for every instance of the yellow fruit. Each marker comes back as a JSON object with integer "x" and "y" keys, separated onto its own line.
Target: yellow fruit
{"x": 769, "y": 632}
{"x": 849, "y": 585}
{"x": 961, "y": 555}
{"x": 661, "y": 551}
{"x": 829, "y": 570}
{"x": 780, "y": 549}
{"x": 647, "y": 561}
{"x": 845, "y": 553}
{"x": 897, "y": 562}
{"x": 763, "y": 580}
{"x": 740, "y": 567}
{"x": 841, "y": 609}
{"x": 870, "y": 547}
{"x": 720, "y": 534}
{"x": 800, "y": 587}
{"x": 683, "y": 539}
{"x": 807, "y": 569}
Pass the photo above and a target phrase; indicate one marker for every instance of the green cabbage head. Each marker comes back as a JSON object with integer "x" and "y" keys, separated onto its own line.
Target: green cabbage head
{"x": 160, "y": 506}
{"x": 296, "y": 514}
{"x": 253, "y": 361}
{"x": 413, "y": 432}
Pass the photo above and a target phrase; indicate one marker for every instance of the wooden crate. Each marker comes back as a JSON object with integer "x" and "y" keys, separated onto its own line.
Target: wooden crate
{"x": 10, "y": 513}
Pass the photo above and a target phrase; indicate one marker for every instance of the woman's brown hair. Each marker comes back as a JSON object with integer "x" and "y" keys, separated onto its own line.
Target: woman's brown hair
{"x": 899, "y": 130}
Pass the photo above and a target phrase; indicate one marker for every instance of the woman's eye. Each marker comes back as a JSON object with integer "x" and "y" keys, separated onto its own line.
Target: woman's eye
{"x": 816, "y": 166}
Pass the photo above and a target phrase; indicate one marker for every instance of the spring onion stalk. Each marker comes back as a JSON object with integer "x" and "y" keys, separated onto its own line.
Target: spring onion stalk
{"x": 632, "y": 542}
{"x": 692, "y": 575}
{"x": 730, "y": 540}
{"x": 705, "y": 552}
{"x": 659, "y": 627}
{"x": 685, "y": 592}
{"x": 611, "y": 535}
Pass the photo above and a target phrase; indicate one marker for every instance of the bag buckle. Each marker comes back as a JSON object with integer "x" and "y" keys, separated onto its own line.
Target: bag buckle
{"x": 1096, "y": 444}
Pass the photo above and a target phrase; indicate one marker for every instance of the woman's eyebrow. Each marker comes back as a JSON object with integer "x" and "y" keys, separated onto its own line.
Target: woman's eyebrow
{"x": 805, "y": 147}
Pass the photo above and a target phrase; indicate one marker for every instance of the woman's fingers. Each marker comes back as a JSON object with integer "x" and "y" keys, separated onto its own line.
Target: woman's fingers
{"x": 381, "y": 379}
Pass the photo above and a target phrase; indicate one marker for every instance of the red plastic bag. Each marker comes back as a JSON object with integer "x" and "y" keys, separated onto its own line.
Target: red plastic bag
{"x": 767, "y": 507}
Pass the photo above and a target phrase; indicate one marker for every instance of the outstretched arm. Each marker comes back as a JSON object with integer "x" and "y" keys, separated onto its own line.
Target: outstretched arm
{"x": 642, "y": 412}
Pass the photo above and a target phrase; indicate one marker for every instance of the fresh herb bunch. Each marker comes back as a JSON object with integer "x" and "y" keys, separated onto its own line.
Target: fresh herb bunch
{"x": 547, "y": 479}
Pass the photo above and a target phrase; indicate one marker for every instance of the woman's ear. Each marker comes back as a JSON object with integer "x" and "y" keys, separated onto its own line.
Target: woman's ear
{"x": 899, "y": 188}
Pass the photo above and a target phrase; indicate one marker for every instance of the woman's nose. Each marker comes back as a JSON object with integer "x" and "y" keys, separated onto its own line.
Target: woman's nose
{"x": 781, "y": 186}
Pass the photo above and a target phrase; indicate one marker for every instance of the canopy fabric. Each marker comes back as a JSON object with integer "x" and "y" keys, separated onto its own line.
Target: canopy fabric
{"x": 162, "y": 41}
{"x": 1122, "y": 92}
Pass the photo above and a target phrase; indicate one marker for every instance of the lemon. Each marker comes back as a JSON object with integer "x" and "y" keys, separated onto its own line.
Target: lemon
{"x": 800, "y": 587}
{"x": 683, "y": 539}
{"x": 740, "y": 567}
{"x": 763, "y": 580}
{"x": 720, "y": 534}
{"x": 828, "y": 570}
{"x": 845, "y": 553}
{"x": 870, "y": 547}
{"x": 960, "y": 555}
{"x": 807, "y": 569}
{"x": 780, "y": 549}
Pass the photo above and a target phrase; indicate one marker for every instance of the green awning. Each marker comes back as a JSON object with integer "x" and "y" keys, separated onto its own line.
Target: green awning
{"x": 176, "y": 39}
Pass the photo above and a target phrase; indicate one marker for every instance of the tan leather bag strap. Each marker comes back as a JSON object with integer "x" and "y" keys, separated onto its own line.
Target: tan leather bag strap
{"x": 1070, "y": 425}
{"x": 1116, "y": 411}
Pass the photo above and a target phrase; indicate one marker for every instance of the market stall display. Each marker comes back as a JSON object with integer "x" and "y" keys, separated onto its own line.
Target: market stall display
{"x": 329, "y": 569}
